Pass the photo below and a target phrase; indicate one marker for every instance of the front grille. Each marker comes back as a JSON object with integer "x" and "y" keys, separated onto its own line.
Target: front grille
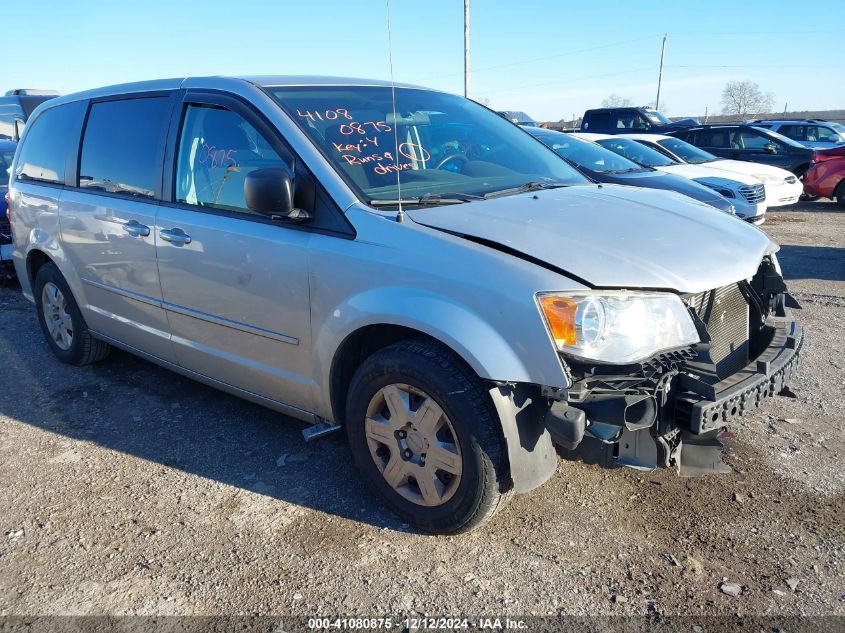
{"x": 725, "y": 313}
{"x": 753, "y": 193}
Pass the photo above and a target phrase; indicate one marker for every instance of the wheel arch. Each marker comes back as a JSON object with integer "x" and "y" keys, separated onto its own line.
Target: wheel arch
{"x": 35, "y": 259}
{"x": 519, "y": 407}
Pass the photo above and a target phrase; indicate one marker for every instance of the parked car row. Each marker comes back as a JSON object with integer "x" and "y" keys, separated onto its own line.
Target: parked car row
{"x": 798, "y": 146}
{"x": 408, "y": 265}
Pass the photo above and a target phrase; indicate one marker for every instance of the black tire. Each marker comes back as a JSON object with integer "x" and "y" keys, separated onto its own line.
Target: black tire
{"x": 484, "y": 484}
{"x": 839, "y": 194}
{"x": 84, "y": 348}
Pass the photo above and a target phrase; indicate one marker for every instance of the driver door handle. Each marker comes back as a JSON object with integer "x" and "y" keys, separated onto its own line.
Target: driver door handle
{"x": 177, "y": 237}
{"x": 136, "y": 229}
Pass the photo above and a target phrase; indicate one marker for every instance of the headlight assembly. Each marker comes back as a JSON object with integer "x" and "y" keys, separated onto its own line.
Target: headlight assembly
{"x": 616, "y": 327}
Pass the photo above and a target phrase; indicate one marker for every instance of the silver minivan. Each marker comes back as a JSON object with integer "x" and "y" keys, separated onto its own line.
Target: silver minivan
{"x": 403, "y": 263}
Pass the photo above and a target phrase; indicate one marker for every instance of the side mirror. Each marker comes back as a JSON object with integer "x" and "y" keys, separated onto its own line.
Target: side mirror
{"x": 770, "y": 148}
{"x": 269, "y": 191}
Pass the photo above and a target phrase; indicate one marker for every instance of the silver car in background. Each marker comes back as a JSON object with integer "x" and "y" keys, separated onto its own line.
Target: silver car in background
{"x": 403, "y": 263}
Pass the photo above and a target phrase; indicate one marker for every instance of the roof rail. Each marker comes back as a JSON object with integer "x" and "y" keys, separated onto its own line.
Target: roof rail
{"x": 31, "y": 92}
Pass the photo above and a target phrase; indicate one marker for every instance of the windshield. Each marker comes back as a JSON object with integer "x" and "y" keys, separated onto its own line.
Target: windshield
{"x": 586, "y": 154}
{"x": 838, "y": 127}
{"x": 637, "y": 152}
{"x": 437, "y": 143}
{"x": 690, "y": 153}
{"x": 656, "y": 117}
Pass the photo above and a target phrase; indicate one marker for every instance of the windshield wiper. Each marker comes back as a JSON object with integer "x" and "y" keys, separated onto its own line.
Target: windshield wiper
{"x": 630, "y": 170}
{"x": 534, "y": 185}
{"x": 428, "y": 198}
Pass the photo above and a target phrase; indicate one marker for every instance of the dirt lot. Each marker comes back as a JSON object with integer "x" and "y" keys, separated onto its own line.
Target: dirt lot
{"x": 127, "y": 489}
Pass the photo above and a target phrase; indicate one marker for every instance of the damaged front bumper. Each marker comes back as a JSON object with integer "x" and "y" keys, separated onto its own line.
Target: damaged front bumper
{"x": 671, "y": 410}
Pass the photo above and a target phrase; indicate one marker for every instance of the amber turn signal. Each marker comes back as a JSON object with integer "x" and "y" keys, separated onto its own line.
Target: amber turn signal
{"x": 560, "y": 315}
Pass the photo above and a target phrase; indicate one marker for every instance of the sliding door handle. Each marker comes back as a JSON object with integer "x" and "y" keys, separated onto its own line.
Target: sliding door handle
{"x": 177, "y": 237}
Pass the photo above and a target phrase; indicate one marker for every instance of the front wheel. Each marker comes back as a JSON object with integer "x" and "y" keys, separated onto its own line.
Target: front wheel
{"x": 840, "y": 194}
{"x": 423, "y": 431}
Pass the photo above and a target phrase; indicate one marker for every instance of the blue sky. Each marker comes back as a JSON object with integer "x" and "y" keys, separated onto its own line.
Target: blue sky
{"x": 552, "y": 59}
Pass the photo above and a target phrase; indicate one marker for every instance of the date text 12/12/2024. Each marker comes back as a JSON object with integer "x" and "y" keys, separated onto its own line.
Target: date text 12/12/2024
{"x": 416, "y": 623}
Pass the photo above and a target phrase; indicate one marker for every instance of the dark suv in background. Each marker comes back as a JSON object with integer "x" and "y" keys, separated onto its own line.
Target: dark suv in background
{"x": 624, "y": 120}
{"x": 747, "y": 142}
{"x": 15, "y": 108}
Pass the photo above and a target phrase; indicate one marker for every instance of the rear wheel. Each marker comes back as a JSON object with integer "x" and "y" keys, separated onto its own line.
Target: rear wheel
{"x": 423, "y": 431}
{"x": 61, "y": 321}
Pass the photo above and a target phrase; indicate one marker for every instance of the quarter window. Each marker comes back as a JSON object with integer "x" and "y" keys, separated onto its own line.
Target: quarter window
{"x": 217, "y": 149}
{"x": 120, "y": 151}
{"x": 50, "y": 139}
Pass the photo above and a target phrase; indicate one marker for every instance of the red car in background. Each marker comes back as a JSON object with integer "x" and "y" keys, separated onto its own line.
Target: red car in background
{"x": 826, "y": 175}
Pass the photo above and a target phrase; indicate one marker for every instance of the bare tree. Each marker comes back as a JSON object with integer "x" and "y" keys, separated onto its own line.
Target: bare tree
{"x": 745, "y": 98}
{"x": 663, "y": 107}
{"x": 615, "y": 101}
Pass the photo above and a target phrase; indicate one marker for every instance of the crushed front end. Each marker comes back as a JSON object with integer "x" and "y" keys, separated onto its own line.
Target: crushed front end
{"x": 670, "y": 409}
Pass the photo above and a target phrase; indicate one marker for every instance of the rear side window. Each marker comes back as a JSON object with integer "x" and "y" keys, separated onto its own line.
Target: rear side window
{"x": 796, "y": 132}
{"x": 712, "y": 138}
{"x": 51, "y": 138}
{"x": 598, "y": 121}
{"x": 121, "y": 151}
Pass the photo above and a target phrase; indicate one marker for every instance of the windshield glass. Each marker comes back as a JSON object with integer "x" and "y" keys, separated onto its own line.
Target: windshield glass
{"x": 656, "y": 117}
{"x": 690, "y": 153}
{"x": 437, "y": 144}
{"x": 586, "y": 154}
{"x": 838, "y": 127}
{"x": 637, "y": 152}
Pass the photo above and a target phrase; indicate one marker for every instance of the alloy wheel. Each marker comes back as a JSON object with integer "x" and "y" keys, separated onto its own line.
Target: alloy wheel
{"x": 56, "y": 316}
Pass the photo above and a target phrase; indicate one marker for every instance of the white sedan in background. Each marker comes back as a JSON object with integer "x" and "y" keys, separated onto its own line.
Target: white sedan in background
{"x": 782, "y": 187}
{"x": 746, "y": 193}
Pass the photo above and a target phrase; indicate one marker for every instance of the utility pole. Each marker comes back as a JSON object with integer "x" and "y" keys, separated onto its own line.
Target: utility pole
{"x": 660, "y": 76}
{"x": 466, "y": 48}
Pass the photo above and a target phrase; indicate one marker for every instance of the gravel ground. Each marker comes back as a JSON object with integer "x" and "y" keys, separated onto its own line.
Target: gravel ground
{"x": 130, "y": 490}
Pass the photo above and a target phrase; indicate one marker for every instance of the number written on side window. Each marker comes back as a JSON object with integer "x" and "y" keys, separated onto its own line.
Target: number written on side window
{"x": 217, "y": 149}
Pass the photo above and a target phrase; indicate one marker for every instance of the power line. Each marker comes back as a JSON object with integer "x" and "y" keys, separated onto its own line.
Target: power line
{"x": 756, "y": 66}
{"x": 566, "y": 81}
{"x": 540, "y": 59}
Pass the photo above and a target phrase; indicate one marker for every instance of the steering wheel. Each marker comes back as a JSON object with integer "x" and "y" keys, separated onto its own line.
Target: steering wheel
{"x": 457, "y": 156}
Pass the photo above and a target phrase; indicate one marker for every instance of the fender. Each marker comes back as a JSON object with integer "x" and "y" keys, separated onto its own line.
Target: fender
{"x": 530, "y": 450}
{"x": 42, "y": 240}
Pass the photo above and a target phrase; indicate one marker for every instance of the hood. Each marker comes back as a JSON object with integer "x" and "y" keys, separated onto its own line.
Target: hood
{"x": 661, "y": 180}
{"x": 750, "y": 169}
{"x": 614, "y": 236}
{"x": 701, "y": 171}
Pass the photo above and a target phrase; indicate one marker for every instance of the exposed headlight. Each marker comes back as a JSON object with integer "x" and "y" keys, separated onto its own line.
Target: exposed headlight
{"x": 768, "y": 179}
{"x": 616, "y": 327}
